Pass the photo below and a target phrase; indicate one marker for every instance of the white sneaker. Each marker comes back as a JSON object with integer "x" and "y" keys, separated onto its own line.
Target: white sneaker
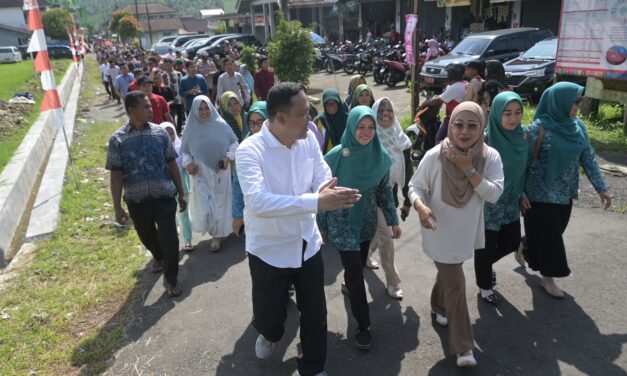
{"x": 467, "y": 360}
{"x": 442, "y": 320}
{"x": 395, "y": 292}
{"x": 264, "y": 348}
{"x": 371, "y": 263}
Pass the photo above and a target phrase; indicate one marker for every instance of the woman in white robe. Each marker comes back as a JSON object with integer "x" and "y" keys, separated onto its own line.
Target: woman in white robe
{"x": 208, "y": 147}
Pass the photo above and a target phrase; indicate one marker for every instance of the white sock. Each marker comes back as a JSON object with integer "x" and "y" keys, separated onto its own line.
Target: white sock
{"x": 486, "y": 293}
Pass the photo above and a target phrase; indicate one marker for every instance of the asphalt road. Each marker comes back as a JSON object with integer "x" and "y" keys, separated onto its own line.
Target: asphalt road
{"x": 207, "y": 330}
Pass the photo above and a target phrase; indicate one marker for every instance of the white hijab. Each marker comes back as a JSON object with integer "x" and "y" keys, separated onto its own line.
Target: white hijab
{"x": 394, "y": 140}
{"x": 176, "y": 143}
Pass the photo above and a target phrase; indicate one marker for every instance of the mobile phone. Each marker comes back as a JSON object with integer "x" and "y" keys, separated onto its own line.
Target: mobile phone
{"x": 221, "y": 164}
{"x": 241, "y": 230}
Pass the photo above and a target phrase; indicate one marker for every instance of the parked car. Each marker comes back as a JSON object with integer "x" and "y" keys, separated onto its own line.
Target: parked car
{"x": 10, "y": 54}
{"x": 161, "y": 48}
{"x": 532, "y": 72}
{"x": 190, "y": 50}
{"x": 59, "y": 52}
{"x": 168, "y": 39}
{"x": 179, "y": 41}
{"x": 500, "y": 45}
{"x": 217, "y": 47}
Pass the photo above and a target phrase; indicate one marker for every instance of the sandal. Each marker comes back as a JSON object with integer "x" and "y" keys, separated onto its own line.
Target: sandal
{"x": 173, "y": 291}
{"x": 188, "y": 247}
{"x": 157, "y": 267}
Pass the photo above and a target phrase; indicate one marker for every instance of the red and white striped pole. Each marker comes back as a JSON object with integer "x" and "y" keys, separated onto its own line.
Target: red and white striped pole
{"x": 51, "y": 100}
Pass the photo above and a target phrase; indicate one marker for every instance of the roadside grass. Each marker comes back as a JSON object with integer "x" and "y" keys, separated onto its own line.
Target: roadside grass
{"x": 19, "y": 78}
{"x": 53, "y": 312}
{"x": 605, "y": 130}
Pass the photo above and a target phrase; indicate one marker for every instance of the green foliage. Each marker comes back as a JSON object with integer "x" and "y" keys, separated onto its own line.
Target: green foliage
{"x": 56, "y": 21}
{"x": 114, "y": 25}
{"x": 129, "y": 27}
{"x": 248, "y": 56}
{"x": 221, "y": 29}
{"x": 292, "y": 51}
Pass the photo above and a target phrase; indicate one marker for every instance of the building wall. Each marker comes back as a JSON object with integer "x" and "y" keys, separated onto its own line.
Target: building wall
{"x": 13, "y": 17}
{"x": 12, "y": 38}
{"x": 542, "y": 14}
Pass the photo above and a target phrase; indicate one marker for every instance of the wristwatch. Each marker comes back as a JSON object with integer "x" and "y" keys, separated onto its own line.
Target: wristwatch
{"x": 471, "y": 172}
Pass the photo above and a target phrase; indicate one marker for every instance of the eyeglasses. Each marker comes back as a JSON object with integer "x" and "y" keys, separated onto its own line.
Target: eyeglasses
{"x": 578, "y": 100}
{"x": 472, "y": 128}
{"x": 257, "y": 123}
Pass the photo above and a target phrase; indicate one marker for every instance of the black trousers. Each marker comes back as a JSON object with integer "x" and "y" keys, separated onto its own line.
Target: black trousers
{"x": 498, "y": 244}
{"x": 354, "y": 263}
{"x": 108, "y": 87}
{"x": 544, "y": 226}
{"x": 178, "y": 112}
{"x": 270, "y": 299}
{"x": 155, "y": 224}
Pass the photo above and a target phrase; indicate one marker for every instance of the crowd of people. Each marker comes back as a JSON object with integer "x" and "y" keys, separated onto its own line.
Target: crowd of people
{"x": 287, "y": 180}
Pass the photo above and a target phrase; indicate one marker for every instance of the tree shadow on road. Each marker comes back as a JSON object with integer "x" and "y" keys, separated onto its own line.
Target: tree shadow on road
{"x": 135, "y": 317}
{"x": 536, "y": 342}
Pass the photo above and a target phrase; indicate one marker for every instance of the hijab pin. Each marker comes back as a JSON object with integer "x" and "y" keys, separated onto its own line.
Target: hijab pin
{"x": 346, "y": 152}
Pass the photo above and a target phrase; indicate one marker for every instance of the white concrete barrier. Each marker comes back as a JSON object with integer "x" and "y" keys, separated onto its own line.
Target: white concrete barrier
{"x": 20, "y": 174}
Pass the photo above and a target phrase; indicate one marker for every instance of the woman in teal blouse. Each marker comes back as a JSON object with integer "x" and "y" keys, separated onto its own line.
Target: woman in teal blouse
{"x": 502, "y": 218}
{"x": 560, "y": 145}
{"x": 359, "y": 162}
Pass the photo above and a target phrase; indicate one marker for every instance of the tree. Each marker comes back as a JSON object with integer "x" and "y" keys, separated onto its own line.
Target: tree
{"x": 248, "y": 56}
{"x": 129, "y": 27}
{"x": 55, "y": 23}
{"x": 292, "y": 51}
{"x": 117, "y": 15}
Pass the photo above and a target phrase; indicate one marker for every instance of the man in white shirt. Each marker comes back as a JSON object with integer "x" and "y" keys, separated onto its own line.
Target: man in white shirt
{"x": 104, "y": 77}
{"x": 285, "y": 181}
{"x": 233, "y": 81}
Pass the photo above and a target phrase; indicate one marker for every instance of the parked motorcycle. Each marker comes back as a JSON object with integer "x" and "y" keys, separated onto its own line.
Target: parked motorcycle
{"x": 422, "y": 132}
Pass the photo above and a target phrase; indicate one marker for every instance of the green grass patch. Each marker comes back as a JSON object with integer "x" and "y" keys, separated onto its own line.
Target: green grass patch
{"x": 78, "y": 279}
{"x": 29, "y": 82}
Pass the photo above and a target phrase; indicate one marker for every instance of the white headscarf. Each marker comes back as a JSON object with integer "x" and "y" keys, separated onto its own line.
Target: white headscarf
{"x": 176, "y": 143}
{"x": 208, "y": 141}
{"x": 394, "y": 140}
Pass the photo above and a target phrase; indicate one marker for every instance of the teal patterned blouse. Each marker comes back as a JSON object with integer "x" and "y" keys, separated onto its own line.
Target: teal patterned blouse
{"x": 335, "y": 223}
{"x": 566, "y": 187}
{"x": 507, "y": 209}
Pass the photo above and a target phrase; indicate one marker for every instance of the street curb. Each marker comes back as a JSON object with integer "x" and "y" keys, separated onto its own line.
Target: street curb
{"x": 45, "y": 215}
{"x": 20, "y": 174}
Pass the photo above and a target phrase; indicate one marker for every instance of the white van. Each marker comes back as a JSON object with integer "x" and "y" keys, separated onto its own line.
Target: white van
{"x": 10, "y": 54}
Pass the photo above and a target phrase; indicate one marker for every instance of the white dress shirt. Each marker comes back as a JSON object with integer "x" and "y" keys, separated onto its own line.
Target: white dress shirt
{"x": 280, "y": 187}
{"x": 459, "y": 231}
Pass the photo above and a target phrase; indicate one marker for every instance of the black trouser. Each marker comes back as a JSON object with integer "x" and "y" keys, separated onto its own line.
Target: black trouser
{"x": 270, "y": 299}
{"x": 544, "y": 226}
{"x": 498, "y": 244}
{"x": 108, "y": 87}
{"x": 155, "y": 224}
{"x": 354, "y": 263}
{"x": 178, "y": 111}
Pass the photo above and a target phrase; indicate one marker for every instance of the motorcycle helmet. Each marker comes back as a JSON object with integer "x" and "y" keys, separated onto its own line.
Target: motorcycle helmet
{"x": 455, "y": 71}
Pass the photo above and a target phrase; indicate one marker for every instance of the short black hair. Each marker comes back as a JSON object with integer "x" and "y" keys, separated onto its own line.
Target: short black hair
{"x": 133, "y": 98}
{"x": 188, "y": 63}
{"x": 153, "y": 59}
{"x": 280, "y": 97}
{"x": 262, "y": 60}
{"x": 477, "y": 64}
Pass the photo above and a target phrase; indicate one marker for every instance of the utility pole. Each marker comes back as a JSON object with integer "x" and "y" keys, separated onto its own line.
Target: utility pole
{"x": 415, "y": 72}
{"x": 148, "y": 19}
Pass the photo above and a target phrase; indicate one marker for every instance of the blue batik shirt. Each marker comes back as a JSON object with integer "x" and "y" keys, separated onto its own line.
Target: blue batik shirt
{"x": 143, "y": 158}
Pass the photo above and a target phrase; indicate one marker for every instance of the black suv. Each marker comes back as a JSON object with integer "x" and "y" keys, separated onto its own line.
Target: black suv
{"x": 189, "y": 52}
{"x": 500, "y": 45}
{"x": 532, "y": 72}
{"x": 217, "y": 47}
{"x": 179, "y": 41}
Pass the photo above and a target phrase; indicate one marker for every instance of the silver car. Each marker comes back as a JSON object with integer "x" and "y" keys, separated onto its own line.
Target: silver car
{"x": 10, "y": 54}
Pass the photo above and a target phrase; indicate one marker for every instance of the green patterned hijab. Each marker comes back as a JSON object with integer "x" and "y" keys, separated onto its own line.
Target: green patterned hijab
{"x": 358, "y": 166}
{"x": 511, "y": 145}
{"x": 568, "y": 139}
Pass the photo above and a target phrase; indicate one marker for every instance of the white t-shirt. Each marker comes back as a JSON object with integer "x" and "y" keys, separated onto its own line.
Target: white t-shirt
{"x": 453, "y": 95}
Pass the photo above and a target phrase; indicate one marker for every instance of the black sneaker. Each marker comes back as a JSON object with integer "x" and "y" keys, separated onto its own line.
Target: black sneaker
{"x": 363, "y": 338}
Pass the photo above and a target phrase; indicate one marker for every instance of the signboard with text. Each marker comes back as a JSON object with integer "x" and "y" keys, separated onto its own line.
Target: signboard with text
{"x": 593, "y": 39}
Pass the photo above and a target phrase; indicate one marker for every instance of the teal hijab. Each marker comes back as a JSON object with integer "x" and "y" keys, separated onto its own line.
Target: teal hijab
{"x": 568, "y": 139}
{"x": 358, "y": 166}
{"x": 335, "y": 124}
{"x": 511, "y": 145}
{"x": 259, "y": 108}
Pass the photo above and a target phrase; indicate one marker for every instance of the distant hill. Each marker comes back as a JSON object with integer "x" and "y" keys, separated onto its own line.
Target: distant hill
{"x": 98, "y": 13}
